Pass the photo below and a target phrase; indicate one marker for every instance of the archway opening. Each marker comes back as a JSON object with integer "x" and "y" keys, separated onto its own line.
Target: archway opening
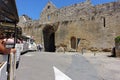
{"x": 49, "y": 38}
{"x": 52, "y": 42}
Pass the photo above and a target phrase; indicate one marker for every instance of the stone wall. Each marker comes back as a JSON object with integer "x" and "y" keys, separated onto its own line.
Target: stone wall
{"x": 92, "y": 34}
{"x": 66, "y": 13}
{"x": 95, "y": 26}
{"x": 84, "y": 11}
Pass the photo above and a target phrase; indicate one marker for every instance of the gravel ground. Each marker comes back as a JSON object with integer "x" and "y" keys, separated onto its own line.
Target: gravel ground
{"x": 108, "y": 68}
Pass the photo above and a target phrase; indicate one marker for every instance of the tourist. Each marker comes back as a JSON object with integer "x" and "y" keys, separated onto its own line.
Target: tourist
{"x": 39, "y": 47}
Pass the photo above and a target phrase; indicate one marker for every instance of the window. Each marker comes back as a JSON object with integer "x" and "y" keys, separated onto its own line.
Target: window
{"x": 48, "y": 17}
{"x": 48, "y": 7}
{"x": 104, "y": 21}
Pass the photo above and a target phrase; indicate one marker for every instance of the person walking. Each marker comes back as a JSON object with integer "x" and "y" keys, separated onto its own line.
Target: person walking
{"x": 39, "y": 47}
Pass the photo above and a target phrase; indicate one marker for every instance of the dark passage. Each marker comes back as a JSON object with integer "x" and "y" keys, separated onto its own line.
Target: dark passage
{"x": 49, "y": 39}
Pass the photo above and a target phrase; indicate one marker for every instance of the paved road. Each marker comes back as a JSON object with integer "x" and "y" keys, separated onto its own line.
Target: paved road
{"x": 39, "y": 66}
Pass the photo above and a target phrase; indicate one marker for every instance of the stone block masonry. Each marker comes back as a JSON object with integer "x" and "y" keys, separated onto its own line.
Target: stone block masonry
{"x": 78, "y": 26}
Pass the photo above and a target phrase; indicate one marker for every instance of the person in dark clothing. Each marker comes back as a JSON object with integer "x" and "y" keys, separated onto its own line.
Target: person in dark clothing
{"x": 39, "y": 47}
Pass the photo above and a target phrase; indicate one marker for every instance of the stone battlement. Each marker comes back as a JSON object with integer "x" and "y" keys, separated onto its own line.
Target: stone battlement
{"x": 84, "y": 11}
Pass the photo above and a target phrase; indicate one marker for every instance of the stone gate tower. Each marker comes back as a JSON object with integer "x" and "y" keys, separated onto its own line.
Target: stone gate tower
{"x": 79, "y": 26}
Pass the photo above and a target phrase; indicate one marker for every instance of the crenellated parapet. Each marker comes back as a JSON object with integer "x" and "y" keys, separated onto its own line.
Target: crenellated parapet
{"x": 80, "y": 11}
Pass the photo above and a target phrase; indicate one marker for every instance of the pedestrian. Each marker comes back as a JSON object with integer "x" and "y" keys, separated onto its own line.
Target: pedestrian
{"x": 39, "y": 47}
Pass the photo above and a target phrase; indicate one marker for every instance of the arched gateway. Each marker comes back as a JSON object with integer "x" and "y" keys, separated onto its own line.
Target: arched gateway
{"x": 49, "y": 38}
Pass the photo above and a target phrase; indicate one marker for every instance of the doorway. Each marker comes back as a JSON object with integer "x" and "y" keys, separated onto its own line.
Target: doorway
{"x": 73, "y": 42}
{"x": 49, "y": 39}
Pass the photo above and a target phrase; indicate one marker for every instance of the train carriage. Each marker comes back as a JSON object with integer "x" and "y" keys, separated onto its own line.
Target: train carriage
{"x": 8, "y": 20}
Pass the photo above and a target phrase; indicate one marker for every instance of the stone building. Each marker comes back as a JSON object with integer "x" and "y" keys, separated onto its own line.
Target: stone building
{"x": 76, "y": 27}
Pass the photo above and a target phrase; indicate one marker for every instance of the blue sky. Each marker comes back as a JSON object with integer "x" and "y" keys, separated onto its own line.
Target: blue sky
{"x": 33, "y": 8}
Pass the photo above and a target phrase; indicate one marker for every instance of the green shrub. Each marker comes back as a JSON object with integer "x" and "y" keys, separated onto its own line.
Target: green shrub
{"x": 117, "y": 39}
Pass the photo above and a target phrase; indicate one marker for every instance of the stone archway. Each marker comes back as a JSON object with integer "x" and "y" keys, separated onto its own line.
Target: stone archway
{"x": 73, "y": 42}
{"x": 49, "y": 38}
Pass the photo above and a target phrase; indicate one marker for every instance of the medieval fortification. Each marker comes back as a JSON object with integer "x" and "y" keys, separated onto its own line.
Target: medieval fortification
{"x": 76, "y": 27}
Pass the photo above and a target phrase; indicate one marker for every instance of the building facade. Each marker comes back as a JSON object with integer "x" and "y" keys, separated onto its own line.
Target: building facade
{"x": 79, "y": 26}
